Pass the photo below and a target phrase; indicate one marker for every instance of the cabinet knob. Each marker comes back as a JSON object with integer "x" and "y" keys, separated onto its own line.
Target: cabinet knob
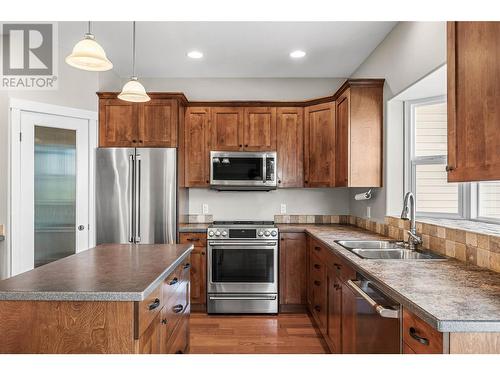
{"x": 306, "y": 181}
{"x": 317, "y": 283}
{"x": 317, "y": 308}
{"x": 202, "y": 253}
{"x": 279, "y": 181}
{"x": 134, "y": 141}
{"x": 317, "y": 266}
{"x": 140, "y": 140}
{"x": 164, "y": 321}
{"x": 246, "y": 145}
{"x": 449, "y": 168}
{"x": 241, "y": 146}
{"x": 207, "y": 182}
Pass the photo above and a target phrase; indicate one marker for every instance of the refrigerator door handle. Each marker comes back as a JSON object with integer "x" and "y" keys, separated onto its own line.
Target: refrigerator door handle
{"x": 138, "y": 199}
{"x": 131, "y": 197}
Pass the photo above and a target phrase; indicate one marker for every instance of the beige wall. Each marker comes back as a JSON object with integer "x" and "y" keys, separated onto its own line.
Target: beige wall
{"x": 410, "y": 51}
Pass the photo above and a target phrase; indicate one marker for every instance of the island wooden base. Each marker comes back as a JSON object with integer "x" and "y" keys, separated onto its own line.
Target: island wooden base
{"x": 159, "y": 324}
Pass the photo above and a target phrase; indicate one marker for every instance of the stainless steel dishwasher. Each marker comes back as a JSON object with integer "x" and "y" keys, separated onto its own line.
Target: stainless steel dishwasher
{"x": 371, "y": 321}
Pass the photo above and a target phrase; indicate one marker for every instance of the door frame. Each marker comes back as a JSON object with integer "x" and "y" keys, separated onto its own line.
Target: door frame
{"x": 16, "y": 106}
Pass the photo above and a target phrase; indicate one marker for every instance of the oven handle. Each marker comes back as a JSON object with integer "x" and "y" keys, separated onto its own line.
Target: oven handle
{"x": 274, "y": 243}
{"x": 267, "y": 298}
{"x": 381, "y": 310}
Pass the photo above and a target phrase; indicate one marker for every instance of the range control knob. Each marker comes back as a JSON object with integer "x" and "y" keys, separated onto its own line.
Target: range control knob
{"x": 211, "y": 233}
{"x": 261, "y": 233}
{"x": 274, "y": 233}
{"x": 224, "y": 233}
{"x": 217, "y": 233}
{"x": 266, "y": 233}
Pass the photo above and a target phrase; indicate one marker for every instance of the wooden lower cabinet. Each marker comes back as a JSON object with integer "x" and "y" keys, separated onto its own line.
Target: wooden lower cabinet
{"x": 179, "y": 343}
{"x": 292, "y": 278}
{"x": 420, "y": 337}
{"x": 334, "y": 327}
{"x": 149, "y": 342}
{"x": 198, "y": 269}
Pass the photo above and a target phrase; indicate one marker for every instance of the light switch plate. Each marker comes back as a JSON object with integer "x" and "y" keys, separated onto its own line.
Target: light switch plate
{"x": 283, "y": 208}
{"x": 205, "y": 208}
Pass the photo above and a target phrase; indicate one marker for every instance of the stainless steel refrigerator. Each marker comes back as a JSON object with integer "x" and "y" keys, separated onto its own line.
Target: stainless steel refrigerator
{"x": 136, "y": 200}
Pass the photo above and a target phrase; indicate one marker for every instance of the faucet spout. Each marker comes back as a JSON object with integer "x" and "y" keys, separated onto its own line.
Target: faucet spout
{"x": 408, "y": 213}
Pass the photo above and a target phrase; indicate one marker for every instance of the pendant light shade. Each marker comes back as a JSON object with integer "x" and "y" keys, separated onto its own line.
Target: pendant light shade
{"x": 133, "y": 90}
{"x": 89, "y": 55}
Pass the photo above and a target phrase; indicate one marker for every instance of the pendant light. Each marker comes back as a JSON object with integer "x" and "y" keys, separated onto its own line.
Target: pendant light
{"x": 87, "y": 54}
{"x": 133, "y": 90}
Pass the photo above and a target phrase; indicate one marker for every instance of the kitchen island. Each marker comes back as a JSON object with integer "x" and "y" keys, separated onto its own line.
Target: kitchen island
{"x": 108, "y": 299}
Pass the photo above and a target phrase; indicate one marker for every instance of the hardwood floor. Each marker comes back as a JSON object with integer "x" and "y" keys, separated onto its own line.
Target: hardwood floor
{"x": 254, "y": 334}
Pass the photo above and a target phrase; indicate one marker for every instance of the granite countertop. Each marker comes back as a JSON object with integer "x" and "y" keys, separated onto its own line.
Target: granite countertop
{"x": 449, "y": 295}
{"x": 111, "y": 272}
{"x": 199, "y": 227}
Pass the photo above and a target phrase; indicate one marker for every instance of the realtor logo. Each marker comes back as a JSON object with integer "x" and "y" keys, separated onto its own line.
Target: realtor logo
{"x": 29, "y": 56}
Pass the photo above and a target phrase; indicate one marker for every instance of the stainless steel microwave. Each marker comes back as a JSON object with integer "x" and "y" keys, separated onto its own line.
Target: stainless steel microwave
{"x": 243, "y": 170}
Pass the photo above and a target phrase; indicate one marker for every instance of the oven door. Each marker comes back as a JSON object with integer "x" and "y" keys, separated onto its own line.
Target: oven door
{"x": 242, "y": 267}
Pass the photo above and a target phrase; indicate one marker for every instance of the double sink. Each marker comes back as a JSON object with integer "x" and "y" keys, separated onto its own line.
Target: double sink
{"x": 385, "y": 250}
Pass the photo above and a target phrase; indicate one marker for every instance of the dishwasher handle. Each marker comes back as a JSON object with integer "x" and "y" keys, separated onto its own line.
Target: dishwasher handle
{"x": 384, "y": 312}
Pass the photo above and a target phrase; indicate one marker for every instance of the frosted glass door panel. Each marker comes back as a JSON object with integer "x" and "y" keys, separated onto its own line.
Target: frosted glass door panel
{"x": 55, "y": 193}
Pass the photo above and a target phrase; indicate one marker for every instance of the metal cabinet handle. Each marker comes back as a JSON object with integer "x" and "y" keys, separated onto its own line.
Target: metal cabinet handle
{"x": 317, "y": 283}
{"x": 381, "y": 310}
{"x": 317, "y": 248}
{"x": 179, "y": 352}
{"x": 317, "y": 266}
{"x": 317, "y": 308}
{"x": 155, "y": 304}
{"x": 187, "y": 265}
{"x": 420, "y": 339}
{"x": 449, "y": 168}
{"x": 177, "y": 308}
{"x": 337, "y": 265}
{"x": 174, "y": 281}
{"x": 193, "y": 239}
{"x": 164, "y": 321}
{"x": 336, "y": 286}
{"x": 138, "y": 200}
{"x": 236, "y": 298}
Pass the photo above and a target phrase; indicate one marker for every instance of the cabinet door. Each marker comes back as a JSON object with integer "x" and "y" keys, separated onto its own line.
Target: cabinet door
{"x": 226, "y": 129}
{"x": 149, "y": 342}
{"x": 198, "y": 273}
{"x": 342, "y": 140}
{"x": 334, "y": 311}
{"x": 158, "y": 123}
{"x": 292, "y": 269}
{"x": 179, "y": 342}
{"x": 290, "y": 147}
{"x": 473, "y": 101}
{"x": 118, "y": 123}
{"x": 197, "y": 147}
{"x": 348, "y": 308}
{"x": 319, "y": 145}
{"x": 259, "y": 130}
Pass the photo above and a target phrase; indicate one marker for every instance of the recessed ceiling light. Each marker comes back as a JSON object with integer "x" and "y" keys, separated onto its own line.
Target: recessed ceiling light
{"x": 195, "y": 54}
{"x": 297, "y": 54}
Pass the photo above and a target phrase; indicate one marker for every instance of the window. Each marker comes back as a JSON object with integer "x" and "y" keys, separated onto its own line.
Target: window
{"x": 426, "y": 150}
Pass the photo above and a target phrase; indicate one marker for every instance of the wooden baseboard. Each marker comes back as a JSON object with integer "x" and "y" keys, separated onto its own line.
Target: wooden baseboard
{"x": 198, "y": 307}
{"x": 295, "y": 308}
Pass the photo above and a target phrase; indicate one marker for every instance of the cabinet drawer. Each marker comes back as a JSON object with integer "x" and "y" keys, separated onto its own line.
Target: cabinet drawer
{"x": 317, "y": 249}
{"x": 177, "y": 277}
{"x": 419, "y": 336}
{"x": 146, "y": 310}
{"x": 175, "y": 308}
{"x": 197, "y": 239}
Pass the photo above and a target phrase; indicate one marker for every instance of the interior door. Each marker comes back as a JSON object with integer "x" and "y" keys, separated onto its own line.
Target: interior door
{"x": 54, "y": 186}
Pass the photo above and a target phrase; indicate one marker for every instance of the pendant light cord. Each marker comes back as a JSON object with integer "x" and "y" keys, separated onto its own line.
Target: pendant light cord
{"x": 89, "y": 28}
{"x": 133, "y": 49}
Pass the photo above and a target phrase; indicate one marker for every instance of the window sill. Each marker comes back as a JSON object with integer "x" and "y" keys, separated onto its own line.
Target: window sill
{"x": 466, "y": 225}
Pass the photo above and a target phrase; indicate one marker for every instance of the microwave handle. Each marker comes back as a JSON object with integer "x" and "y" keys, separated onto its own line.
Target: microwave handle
{"x": 264, "y": 169}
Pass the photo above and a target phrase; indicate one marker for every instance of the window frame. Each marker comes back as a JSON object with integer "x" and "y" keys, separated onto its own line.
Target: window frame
{"x": 411, "y": 161}
{"x": 474, "y": 206}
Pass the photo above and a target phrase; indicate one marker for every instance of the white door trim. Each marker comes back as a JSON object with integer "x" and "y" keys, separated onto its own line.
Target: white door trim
{"x": 16, "y": 106}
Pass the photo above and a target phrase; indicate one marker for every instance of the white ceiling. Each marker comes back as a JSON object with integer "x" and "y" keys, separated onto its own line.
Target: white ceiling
{"x": 234, "y": 49}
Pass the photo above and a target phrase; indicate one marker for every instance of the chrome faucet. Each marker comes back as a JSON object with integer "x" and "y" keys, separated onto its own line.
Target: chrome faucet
{"x": 413, "y": 239}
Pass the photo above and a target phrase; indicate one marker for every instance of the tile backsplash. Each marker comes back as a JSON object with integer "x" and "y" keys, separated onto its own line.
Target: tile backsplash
{"x": 311, "y": 219}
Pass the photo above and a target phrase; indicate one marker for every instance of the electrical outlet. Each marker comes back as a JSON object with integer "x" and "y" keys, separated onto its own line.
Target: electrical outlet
{"x": 283, "y": 208}
{"x": 368, "y": 212}
{"x": 205, "y": 208}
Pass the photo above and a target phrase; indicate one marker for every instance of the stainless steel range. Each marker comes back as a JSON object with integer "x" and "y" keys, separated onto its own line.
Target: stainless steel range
{"x": 242, "y": 275}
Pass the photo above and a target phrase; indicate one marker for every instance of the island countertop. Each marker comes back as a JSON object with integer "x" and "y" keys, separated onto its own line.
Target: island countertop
{"x": 111, "y": 272}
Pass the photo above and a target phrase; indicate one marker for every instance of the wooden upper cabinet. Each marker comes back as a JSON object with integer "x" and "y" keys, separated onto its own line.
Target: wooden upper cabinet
{"x": 259, "y": 130}
{"x": 473, "y": 101}
{"x": 226, "y": 128}
{"x": 117, "y": 123}
{"x": 319, "y": 145}
{"x": 359, "y": 125}
{"x": 290, "y": 147}
{"x": 151, "y": 124}
{"x": 197, "y": 146}
{"x": 158, "y": 123}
